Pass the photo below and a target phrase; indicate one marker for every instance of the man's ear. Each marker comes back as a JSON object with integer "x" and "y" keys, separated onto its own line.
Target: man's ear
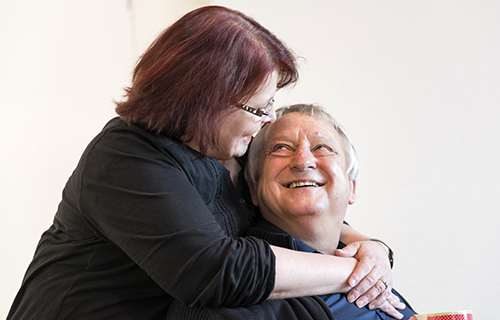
{"x": 253, "y": 192}
{"x": 352, "y": 196}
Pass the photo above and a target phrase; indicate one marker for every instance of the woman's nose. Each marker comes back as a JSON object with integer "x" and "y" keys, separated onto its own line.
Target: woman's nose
{"x": 271, "y": 117}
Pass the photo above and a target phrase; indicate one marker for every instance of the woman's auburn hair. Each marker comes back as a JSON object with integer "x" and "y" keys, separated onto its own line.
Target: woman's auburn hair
{"x": 209, "y": 60}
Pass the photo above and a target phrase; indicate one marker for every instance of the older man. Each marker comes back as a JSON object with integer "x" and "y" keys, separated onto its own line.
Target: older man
{"x": 302, "y": 173}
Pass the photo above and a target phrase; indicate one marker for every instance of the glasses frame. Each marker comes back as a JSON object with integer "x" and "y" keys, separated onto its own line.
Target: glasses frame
{"x": 259, "y": 112}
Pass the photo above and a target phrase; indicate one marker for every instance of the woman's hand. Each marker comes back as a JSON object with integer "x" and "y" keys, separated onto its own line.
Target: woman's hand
{"x": 390, "y": 306}
{"x": 371, "y": 280}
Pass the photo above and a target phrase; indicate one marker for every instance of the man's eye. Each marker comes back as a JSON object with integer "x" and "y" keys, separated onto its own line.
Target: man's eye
{"x": 323, "y": 148}
{"x": 281, "y": 149}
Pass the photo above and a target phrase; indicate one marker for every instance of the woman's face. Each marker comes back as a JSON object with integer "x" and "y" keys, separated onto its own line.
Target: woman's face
{"x": 239, "y": 126}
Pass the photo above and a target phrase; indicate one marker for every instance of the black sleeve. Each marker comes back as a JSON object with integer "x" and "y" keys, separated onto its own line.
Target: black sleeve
{"x": 138, "y": 196}
{"x": 302, "y": 308}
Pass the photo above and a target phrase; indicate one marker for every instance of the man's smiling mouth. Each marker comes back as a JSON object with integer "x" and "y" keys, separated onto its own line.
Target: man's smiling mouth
{"x": 302, "y": 184}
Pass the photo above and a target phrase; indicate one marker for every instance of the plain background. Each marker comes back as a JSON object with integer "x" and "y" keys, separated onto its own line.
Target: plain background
{"x": 416, "y": 84}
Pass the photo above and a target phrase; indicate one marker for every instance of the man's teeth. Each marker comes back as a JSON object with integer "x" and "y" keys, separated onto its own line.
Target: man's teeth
{"x": 302, "y": 184}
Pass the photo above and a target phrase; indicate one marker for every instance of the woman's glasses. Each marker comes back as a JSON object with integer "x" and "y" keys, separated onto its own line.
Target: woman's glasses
{"x": 259, "y": 112}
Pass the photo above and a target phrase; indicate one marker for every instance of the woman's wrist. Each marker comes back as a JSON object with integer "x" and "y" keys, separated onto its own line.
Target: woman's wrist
{"x": 390, "y": 253}
{"x": 349, "y": 235}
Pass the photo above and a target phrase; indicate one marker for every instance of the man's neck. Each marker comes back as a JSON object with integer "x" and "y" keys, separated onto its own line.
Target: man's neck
{"x": 319, "y": 233}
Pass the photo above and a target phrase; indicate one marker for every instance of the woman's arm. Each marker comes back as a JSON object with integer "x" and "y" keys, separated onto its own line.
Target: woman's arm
{"x": 145, "y": 195}
{"x": 306, "y": 274}
{"x": 349, "y": 235}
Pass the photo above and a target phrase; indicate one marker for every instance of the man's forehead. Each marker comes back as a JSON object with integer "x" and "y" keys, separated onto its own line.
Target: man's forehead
{"x": 294, "y": 126}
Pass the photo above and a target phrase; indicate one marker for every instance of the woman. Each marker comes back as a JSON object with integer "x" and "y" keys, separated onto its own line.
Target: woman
{"x": 151, "y": 214}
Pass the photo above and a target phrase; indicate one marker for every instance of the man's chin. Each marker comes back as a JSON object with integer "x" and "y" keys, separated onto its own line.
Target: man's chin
{"x": 305, "y": 208}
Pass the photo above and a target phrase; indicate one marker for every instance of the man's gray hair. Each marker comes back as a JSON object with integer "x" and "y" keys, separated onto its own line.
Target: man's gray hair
{"x": 255, "y": 154}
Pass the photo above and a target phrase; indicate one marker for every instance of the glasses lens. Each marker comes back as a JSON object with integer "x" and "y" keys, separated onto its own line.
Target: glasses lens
{"x": 271, "y": 105}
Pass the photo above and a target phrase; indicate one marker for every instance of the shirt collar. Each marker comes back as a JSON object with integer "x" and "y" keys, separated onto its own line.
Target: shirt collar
{"x": 264, "y": 224}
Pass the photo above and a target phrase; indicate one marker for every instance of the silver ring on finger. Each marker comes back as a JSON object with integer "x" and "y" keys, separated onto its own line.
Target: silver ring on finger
{"x": 384, "y": 282}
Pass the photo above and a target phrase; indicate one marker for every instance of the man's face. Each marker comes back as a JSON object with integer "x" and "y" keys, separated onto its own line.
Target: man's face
{"x": 304, "y": 171}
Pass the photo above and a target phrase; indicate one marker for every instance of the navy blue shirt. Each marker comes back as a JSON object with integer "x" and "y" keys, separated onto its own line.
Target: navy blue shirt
{"x": 337, "y": 302}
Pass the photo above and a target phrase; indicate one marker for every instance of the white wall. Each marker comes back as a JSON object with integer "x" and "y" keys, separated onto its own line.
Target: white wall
{"x": 150, "y": 17}
{"x": 416, "y": 83}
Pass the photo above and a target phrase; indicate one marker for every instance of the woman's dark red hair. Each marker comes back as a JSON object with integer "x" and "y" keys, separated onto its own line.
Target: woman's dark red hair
{"x": 191, "y": 75}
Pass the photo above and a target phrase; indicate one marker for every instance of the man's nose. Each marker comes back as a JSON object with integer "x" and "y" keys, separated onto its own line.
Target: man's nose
{"x": 303, "y": 160}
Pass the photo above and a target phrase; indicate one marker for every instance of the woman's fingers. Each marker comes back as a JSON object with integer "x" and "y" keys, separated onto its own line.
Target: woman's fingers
{"x": 365, "y": 295}
{"x": 387, "y": 296}
{"x": 389, "y": 309}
